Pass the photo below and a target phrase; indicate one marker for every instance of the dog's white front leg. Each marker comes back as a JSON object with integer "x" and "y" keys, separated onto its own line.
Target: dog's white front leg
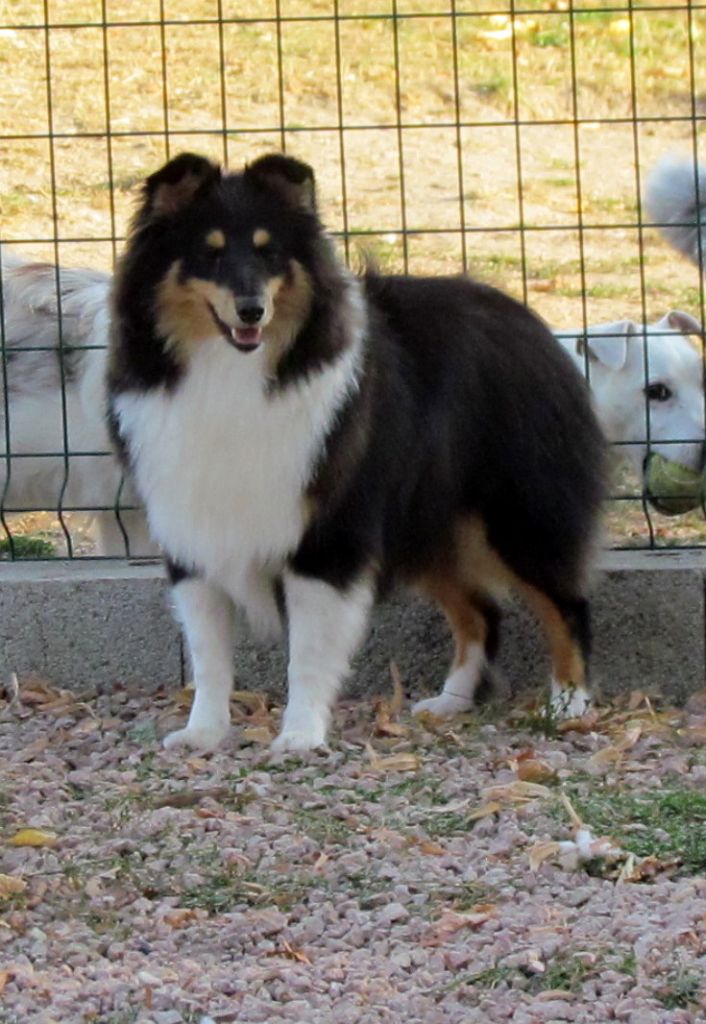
{"x": 326, "y": 625}
{"x": 206, "y": 613}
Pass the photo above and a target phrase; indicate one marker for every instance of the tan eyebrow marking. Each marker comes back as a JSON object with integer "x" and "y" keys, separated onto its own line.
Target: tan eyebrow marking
{"x": 260, "y": 238}
{"x": 216, "y": 239}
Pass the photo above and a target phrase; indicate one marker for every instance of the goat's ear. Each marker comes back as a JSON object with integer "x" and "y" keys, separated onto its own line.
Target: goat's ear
{"x": 176, "y": 185}
{"x": 291, "y": 179}
{"x": 608, "y": 343}
{"x": 684, "y": 322}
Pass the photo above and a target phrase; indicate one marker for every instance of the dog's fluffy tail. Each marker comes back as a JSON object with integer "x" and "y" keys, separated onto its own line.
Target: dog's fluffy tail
{"x": 30, "y": 304}
{"x": 675, "y": 199}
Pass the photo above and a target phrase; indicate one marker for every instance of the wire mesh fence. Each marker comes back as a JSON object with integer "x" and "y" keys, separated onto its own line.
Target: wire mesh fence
{"x": 512, "y": 140}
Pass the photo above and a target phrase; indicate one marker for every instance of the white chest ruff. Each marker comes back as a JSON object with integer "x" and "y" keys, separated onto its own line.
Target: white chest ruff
{"x": 222, "y": 467}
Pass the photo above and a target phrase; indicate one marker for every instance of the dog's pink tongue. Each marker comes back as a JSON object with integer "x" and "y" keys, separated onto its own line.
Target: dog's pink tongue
{"x": 249, "y": 337}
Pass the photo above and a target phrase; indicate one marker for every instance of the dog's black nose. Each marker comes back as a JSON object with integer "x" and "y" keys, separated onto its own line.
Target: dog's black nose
{"x": 250, "y": 311}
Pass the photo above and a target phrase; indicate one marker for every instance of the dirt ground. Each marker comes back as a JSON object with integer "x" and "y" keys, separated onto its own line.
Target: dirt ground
{"x": 425, "y": 873}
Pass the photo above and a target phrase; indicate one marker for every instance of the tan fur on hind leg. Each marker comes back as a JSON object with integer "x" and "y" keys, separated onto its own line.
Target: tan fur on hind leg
{"x": 570, "y": 696}
{"x": 469, "y": 630}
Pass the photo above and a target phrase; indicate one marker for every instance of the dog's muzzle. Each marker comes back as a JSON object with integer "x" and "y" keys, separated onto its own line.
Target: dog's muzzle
{"x": 246, "y": 336}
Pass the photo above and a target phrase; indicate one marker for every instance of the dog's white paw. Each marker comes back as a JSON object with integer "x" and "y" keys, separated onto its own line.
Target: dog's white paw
{"x": 298, "y": 741}
{"x": 569, "y": 701}
{"x": 445, "y": 705}
{"x": 202, "y": 738}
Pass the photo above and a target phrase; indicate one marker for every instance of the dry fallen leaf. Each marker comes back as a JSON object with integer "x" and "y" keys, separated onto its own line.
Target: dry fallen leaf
{"x": 585, "y": 724}
{"x": 430, "y": 849}
{"x": 256, "y": 734}
{"x": 387, "y": 710}
{"x": 179, "y": 916}
{"x": 291, "y": 953}
{"x": 645, "y": 869}
{"x": 516, "y": 792}
{"x": 533, "y": 769}
{"x": 11, "y": 885}
{"x": 613, "y": 754}
{"x": 33, "y": 837}
{"x": 451, "y": 921}
{"x": 402, "y": 762}
{"x": 397, "y": 702}
{"x": 541, "y": 852}
{"x": 431, "y": 722}
{"x": 28, "y": 753}
{"x": 693, "y": 736}
{"x": 484, "y": 811}
{"x": 254, "y": 702}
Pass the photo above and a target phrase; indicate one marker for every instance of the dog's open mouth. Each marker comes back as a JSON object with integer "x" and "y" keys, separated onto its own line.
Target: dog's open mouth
{"x": 245, "y": 339}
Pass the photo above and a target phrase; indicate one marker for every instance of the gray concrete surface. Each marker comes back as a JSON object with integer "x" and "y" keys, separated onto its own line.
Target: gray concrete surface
{"x": 98, "y": 624}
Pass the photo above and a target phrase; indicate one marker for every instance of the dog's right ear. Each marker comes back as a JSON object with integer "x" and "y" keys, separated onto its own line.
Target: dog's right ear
{"x": 608, "y": 343}
{"x": 291, "y": 179}
{"x": 175, "y": 186}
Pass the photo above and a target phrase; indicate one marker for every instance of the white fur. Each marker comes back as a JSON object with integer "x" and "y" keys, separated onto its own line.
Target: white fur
{"x": 326, "y": 626}
{"x": 222, "y": 465}
{"x": 206, "y": 613}
{"x": 619, "y": 368}
{"x": 569, "y": 701}
{"x": 459, "y": 688}
{"x": 675, "y": 199}
{"x": 37, "y": 417}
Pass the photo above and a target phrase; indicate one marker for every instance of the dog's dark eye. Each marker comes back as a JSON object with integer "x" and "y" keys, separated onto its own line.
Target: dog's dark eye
{"x": 658, "y": 392}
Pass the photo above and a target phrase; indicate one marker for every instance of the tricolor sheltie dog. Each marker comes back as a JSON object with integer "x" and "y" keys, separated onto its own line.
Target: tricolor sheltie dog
{"x": 302, "y": 439}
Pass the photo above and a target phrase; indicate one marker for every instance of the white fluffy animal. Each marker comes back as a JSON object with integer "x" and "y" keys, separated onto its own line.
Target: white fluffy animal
{"x": 42, "y": 346}
{"x": 647, "y": 383}
{"x": 675, "y": 199}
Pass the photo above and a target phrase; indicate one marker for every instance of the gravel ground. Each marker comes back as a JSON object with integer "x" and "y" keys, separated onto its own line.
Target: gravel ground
{"x": 388, "y": 880}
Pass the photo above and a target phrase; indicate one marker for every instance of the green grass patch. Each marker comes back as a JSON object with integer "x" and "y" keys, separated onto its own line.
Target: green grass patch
{"x": 566, "y": 971}
{"x": 223, "y": 892}
{"x": 26, "y": 546}
{"x": 320, "y": 826}
{"x": 681, "y": 990}
{"x": 651, "y": 823}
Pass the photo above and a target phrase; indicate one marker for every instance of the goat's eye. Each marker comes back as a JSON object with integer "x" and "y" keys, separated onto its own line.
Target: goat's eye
{"x": 658, "y": 392}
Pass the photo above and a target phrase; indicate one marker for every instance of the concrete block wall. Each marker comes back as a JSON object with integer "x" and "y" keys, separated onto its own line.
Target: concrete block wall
{"x": 91, "y": 625}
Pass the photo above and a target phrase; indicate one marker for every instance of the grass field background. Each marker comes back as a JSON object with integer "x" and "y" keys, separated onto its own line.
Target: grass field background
{"x": 534, "y": 132}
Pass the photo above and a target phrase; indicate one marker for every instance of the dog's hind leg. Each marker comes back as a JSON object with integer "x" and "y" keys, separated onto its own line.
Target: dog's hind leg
{"x": 567, "y": 625}
{"x": 326, "y": 626}
{"x": 206, "y": 613}
{"x": 474, "y": 622}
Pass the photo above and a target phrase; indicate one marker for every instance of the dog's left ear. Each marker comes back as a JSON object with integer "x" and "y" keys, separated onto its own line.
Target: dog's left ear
{"x": 608, "y": 343}
{"x": 173, "y": 187}
{"x": 291, "y": 179}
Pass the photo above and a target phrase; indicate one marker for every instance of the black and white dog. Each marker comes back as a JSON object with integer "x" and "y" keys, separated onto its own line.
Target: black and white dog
{"x": 302, "y": 439}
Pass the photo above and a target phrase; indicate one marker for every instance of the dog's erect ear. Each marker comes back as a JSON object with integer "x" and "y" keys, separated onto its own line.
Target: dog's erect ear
{"x": 175, "y": 185}
{"x": 608, "y": 343}
{"x": 289, "y": 178}
{"x": 684, "y": 322}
